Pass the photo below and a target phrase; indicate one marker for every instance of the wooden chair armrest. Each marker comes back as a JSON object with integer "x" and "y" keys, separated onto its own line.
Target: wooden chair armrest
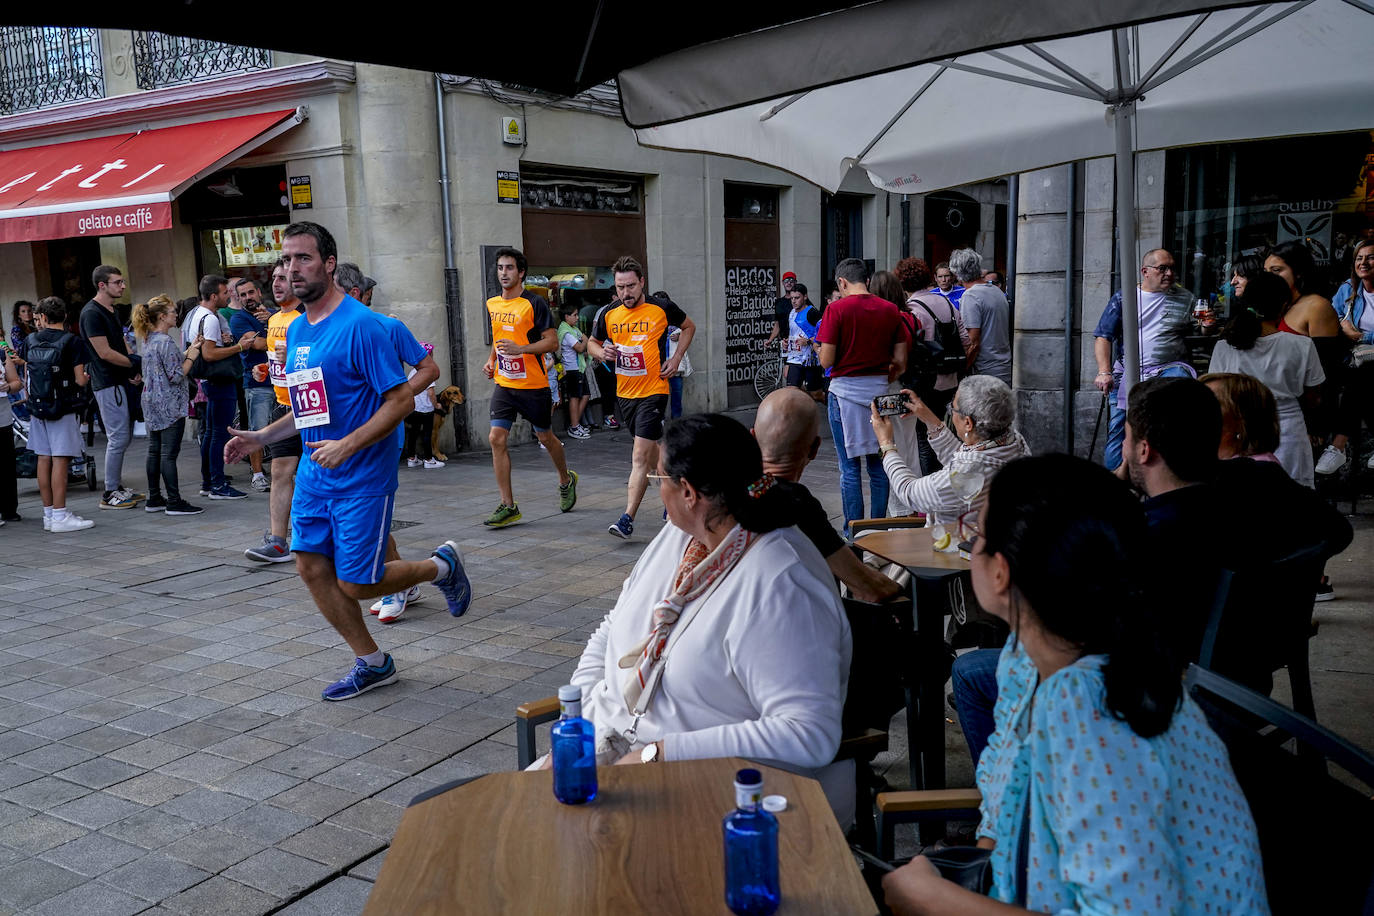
{"x": 541, "y": 710}
{"x": 929, "y": 800}
{"x": 882, "y": 524}
{"x": 863, "y": 745}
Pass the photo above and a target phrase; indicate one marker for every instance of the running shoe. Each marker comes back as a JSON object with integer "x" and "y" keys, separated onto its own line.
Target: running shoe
{"x": 611, "y": 423}
{"x": 412, "y": 595}
{"x": 1324, "y": 591}
{"x": 182, "y": 507}
{"x": 227, "y": 492}
{"x": 261, "y": 483}
{"x": 503, "y": 516}
{"x": 155, "y": 503}
{"x": 432, "y": 463}
{"x": 413, "y": 462}
{"x": 579, "y": 432}
{"x": 454, "y": 583}
{"x": 1331, "y": 461}
{"x": 118, "y": 499}
{"x": 567, "y": 493}
{"x": 623, "y": 528}
{"x": 361, "y": 679}
{"x": 272, "y": 550}
{"x": 393, "y": 606}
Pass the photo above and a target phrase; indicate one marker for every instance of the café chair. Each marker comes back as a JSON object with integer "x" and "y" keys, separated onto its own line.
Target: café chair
{"x": 934, "y": 806}
{"x": 1293, "y": 797}
{"x": 1261, "y": 622}
{"x": 884, "y": 524}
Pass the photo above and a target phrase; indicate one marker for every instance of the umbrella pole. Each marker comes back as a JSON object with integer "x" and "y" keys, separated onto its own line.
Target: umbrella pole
{"x": 1124, "y": 118}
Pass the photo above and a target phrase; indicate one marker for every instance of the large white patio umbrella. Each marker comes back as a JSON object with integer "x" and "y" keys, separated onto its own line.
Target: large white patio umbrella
{"x": 1232, "y": 73}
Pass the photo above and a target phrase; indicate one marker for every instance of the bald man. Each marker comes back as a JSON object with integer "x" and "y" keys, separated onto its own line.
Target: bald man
{"x": 787, "y": 429}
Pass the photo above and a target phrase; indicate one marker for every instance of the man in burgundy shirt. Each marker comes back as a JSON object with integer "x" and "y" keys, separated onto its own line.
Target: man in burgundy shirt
{"x": 864, "y": 345}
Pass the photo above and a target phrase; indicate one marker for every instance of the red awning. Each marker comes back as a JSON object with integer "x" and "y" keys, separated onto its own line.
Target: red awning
{"x": 121, "y": 183}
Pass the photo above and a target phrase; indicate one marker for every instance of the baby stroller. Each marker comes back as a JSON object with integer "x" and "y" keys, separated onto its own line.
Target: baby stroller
{"x": 26, "y": 462}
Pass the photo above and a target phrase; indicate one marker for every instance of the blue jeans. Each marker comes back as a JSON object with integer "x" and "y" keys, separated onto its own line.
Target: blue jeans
{"x": 221, "y": 405}
{"x": 974, "y": 679}
{"x": 851, "y": 488}
{"x": 1116, "y": 423}
{"x": 675, "y": 397}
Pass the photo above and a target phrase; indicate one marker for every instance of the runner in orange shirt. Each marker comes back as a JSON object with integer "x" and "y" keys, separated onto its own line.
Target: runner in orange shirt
{"x": 522, "y": 331}
{"x": 634, "y": 336}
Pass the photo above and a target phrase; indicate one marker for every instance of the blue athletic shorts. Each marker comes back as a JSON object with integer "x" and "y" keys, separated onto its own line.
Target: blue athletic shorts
{"x": 352, "y": 532}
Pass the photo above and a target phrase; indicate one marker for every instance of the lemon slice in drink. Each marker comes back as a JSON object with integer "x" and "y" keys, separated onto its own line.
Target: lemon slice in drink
{"x": 942, "y": 542}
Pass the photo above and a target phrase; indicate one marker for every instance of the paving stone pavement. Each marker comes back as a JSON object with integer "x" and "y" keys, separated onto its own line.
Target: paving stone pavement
{"x": 163, "y": 745}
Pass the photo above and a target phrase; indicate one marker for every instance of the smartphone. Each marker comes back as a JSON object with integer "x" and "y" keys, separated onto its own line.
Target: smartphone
{"x": 890, "y": 405}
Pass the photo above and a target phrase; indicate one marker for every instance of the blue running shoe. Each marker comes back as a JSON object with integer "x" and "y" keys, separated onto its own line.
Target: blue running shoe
{"x": 623, "y": 528}
{"x": 361, "y": 679}
{"x": 454, "y": 584}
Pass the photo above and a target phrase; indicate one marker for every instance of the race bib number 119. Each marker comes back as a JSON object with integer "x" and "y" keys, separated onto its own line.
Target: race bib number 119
{"x": 309, "y": 405}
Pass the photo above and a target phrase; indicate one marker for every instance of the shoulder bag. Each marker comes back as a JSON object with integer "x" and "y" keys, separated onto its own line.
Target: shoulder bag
{"x": 226, "y": 371}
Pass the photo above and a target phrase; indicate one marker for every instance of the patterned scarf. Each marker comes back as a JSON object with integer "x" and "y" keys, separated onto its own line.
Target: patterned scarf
{"x": 698, "y": 571}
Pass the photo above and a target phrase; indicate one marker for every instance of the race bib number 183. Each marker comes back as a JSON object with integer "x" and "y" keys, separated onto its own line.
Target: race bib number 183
{"x": 630, "y": 361}
{"x": 309, "y": 404}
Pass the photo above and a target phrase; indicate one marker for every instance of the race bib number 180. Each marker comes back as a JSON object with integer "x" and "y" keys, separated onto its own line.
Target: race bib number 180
{"x": 511, "y": 367}
{"x": 309, "y": 405}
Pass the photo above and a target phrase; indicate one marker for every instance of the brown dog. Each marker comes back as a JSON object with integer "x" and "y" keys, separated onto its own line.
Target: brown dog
{"x": 443, "y": 403}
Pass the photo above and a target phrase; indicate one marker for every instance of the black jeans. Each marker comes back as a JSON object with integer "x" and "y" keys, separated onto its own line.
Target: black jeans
{"x": 9, "y": 486}
{"x": 605, "y": 380}
{"x": 164, "y": 445}
{"x": 419, "y": 429}
{"x": 937, "y": 402}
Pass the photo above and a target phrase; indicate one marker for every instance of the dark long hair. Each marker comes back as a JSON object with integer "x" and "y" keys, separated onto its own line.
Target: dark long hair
{"x": 885, "y": 285}
{"x": 1266, "y": 296}
{"x": 718, "y": 456}
{"x": 1247, "y": 266}
{"x": 1074, "y": 541}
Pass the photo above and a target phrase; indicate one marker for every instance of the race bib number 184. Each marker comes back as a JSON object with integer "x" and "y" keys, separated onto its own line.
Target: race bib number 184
{"x": 309, "y": 404}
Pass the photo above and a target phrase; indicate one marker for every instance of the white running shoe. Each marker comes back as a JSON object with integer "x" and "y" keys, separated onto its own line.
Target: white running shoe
{"x": 70, "y": 523}
{"x": 393, "y": 606}
{"x": 432, "y": 463}
{"x": 1331, "y": 461}
{"x": 412, "y": 595}
{"x": 413, "y": 462}
{"x": 47, "y": 523}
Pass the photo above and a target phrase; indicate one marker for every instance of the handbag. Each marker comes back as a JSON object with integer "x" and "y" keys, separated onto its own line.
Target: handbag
{"x": 225, "y": 371}
{"x": 967, "y": 866}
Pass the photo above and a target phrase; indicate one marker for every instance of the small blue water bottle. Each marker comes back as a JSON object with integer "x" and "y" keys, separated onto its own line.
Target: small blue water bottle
{"x": 574, "y": 750}
{"x": 751, "y": 850}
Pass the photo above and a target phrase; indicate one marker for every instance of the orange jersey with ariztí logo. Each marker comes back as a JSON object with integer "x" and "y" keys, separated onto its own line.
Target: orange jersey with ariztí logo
{"x": 524, "y": 320}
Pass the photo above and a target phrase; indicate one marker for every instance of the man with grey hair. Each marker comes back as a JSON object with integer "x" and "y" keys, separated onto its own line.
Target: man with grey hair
{"x": 987, "y": 317}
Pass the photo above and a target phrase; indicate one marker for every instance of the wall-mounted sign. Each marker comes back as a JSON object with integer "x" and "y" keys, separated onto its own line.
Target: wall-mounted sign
{"x": 508, "y": 187}
{"x": 300, "y": 193}
{"x": 512, "y": 130}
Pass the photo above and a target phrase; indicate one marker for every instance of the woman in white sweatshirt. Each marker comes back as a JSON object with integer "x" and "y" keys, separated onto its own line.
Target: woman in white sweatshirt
{"x": 729, "y": 638}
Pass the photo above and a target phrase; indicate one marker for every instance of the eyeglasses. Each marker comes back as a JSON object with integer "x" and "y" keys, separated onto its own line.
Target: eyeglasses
{"x": 1162, "y": 268}
{"x": 660, "y": 479}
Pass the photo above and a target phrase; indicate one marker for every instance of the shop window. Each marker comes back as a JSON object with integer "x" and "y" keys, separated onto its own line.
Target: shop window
{"x": 1235, "y": 199}
{"x": 547, "y": 190}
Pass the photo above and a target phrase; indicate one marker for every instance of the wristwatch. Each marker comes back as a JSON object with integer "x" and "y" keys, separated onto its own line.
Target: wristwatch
{"x": 649, "y": 754}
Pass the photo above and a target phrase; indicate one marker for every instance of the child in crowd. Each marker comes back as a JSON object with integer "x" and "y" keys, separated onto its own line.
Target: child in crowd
{"x": 420, "y": 427}
{"x": 163, "y": 401}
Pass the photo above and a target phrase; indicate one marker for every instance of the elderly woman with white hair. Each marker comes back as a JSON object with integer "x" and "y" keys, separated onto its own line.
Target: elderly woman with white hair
{"x": 983, "y": 440}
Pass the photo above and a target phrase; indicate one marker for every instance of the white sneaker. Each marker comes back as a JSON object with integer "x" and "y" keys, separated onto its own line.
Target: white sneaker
{"x": 412, "y": 595}
{"x": 47, "y": 523}
{"x": 140, "y": 430}
{"x": 1331, "y": 461}
{"x": 1370, "y": 463}
{"x": 413, "y": 462}
{"x": 260, "y": 483}
{"x": 431, "y": 464}
{"x": 393, "y": 606}
{"x": 70, "y": 523}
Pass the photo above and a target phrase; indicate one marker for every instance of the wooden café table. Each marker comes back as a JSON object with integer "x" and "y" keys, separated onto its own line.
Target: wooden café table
{"x": 651, "y": 842}
{"x": 931, "y": 571}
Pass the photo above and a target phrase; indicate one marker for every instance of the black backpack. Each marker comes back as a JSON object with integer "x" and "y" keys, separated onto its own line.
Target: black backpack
{"x": 52, "y": 387}
{"x": 945, "y": 349}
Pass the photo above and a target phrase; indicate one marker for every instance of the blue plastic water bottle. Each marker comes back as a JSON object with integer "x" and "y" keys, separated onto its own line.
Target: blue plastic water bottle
{"x": 751, "y": 850}
{"x": 574, "y": 750}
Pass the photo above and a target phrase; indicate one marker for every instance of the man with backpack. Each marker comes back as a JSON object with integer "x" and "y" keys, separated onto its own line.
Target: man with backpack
{"x": 111, "y": 367}
{"x": 56, "y": 372}
{"x": 937, "y": 351}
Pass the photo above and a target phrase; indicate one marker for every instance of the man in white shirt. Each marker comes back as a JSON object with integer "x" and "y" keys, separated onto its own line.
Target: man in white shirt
{"x": 221, "y": 397}
{"x": 1165, "y": 314}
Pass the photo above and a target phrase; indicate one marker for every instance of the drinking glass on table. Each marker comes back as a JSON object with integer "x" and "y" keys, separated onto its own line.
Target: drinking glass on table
{"x": 966, "y": 485}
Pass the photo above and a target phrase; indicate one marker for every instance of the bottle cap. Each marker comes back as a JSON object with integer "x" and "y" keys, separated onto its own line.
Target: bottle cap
{"x": 775, "y": 803}
{"x": 569, "y": 692}
{"x": 750, "y": 777}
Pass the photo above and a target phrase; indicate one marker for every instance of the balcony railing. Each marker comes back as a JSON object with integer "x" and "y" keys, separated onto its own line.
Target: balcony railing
{"x": 42, "y": 66}
{"x": 168, "y": 60}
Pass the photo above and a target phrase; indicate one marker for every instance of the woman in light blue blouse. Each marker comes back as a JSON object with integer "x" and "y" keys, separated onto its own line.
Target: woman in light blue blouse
{"x": 1099, "y": 763}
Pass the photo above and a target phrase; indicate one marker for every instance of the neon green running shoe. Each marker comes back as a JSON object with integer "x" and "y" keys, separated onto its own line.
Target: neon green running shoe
{"x": 567, "y": 493}
{"x": 503, "y": 516}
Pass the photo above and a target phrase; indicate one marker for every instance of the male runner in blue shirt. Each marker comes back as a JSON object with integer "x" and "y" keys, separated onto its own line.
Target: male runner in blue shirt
{"x": 348, "y": 394}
